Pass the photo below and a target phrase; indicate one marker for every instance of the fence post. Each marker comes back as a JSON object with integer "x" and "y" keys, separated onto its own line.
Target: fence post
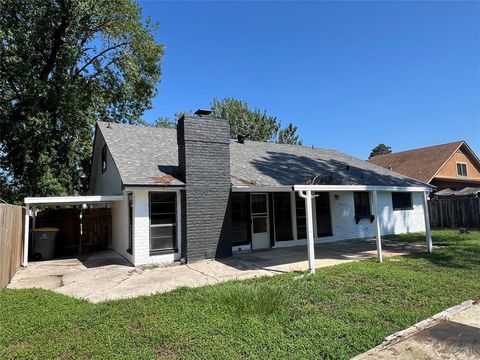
{"x": 26, "y": 233}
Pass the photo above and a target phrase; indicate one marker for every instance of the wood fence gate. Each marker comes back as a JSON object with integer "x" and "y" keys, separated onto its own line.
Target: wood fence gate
{"x": 11, "y": 241}
{"x": 81, "y": 231}
{"x": 455, "y": 212}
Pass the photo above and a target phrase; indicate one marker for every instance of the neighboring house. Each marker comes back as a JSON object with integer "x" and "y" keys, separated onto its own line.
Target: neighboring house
{"x": 194, "y": 193}
{"x": 453, "y": 165}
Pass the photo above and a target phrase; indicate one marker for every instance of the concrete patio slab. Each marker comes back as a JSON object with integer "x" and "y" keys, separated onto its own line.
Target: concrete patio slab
{"x": 106, "y": 275}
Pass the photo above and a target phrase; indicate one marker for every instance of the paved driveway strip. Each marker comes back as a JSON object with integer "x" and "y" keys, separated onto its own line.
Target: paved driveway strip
{"x": 451, "y": 334}
{"x": 106, "y": 275}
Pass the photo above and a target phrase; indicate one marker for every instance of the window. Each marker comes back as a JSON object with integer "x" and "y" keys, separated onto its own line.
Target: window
{"x": 163, "y": 222}
{"x": 362, "y": 205}
{"x": 283, "y": 217}
{"x": 301, "y": 218}
{"x": 461, "y": 169}
{"x": 239, "y": 219}
{"x": 104, "y": 158}
{"x": 402, "y": 200}
{"x": 259, "y": 213}
{"x": 322, "y": 207}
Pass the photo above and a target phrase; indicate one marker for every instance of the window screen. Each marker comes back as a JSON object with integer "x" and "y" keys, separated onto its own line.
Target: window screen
{"x": 301, "y": 218}
{"x": 239, "y": 219}
{"x": 402, "y": 200}
{"x": 104, "y": 158}
{"x": 362, "y": 204}
{"x": 283, "y": 217}
{"x": 163, "y": 224}
{"x": 462, "y": 169}
{"x": 322, "y": 207}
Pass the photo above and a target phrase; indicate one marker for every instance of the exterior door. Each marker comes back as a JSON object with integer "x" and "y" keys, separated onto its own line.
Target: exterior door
{"x": 260, "y": 222}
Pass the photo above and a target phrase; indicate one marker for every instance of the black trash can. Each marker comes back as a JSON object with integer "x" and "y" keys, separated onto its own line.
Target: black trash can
{"x": 44, "y": 243}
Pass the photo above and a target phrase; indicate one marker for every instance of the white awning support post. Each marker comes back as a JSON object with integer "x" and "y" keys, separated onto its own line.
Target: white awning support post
{"x": 426, "y": 214}
{"x": 34, "y": 217}
{"x": 26, "y": 233}
{"x": 310, "y": 241}
{"x": 376, "y": 213}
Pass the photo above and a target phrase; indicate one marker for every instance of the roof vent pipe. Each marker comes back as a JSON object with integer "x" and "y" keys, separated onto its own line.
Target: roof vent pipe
{"x": 203, "y": 112}
{"x": 241, "y": 139}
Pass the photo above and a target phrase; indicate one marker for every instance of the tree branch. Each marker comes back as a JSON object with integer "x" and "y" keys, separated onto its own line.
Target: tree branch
{"x": 56, "y": 44}
{"x": 101, "y": 54}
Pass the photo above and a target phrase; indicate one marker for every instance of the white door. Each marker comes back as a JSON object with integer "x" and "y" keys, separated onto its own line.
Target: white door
{"x": 260, "y": 223}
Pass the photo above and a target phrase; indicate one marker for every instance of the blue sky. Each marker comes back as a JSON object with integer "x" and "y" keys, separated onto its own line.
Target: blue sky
{"x": 350, "y": 75}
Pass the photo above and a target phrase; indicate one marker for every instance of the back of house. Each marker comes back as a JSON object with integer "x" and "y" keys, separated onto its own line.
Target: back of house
{"x": 193, "y": 193}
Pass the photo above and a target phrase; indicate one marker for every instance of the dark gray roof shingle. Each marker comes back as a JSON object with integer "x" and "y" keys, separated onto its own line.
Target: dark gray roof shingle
{"x": 149, "y": 156}
{"x": 143, "y": 155}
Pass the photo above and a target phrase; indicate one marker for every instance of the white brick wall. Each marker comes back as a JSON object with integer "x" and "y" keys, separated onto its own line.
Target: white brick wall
{"x": 141, "y": 240}
{"x": 391, "y": 222}
{"x": 342, "y": 216}
{"x": 401, "y": 221}
{"x": 120, "y": 227}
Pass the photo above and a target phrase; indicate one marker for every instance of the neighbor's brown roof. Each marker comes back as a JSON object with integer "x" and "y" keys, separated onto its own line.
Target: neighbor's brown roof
{"x": 421, "y": 164}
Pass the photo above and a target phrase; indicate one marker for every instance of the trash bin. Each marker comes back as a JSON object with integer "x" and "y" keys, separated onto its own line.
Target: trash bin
{"x": 44, "y": 242}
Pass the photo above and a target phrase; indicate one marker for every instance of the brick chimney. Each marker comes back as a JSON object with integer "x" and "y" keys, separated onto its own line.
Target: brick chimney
{"x": 204, "y": 161}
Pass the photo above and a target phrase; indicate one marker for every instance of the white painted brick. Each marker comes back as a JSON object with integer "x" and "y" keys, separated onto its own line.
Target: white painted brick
{"x": 391, "y": 222}
{"x": 141, "y": 231}
{"x": 342, "y": 216}
{"x": 120, "y": 227}
{"x": 342, "y": 212}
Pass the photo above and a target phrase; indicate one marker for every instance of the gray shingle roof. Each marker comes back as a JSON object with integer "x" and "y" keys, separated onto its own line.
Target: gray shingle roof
{"x": 149, "y": 156}
{"x": 143, "y": 155}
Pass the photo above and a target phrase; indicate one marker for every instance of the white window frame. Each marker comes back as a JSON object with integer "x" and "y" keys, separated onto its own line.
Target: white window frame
{"x": 466, "y": 169}
{"x": 178, "y": 223}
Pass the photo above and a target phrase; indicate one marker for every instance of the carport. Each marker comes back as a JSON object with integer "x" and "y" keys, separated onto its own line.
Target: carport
{"x": 35, "y": 202}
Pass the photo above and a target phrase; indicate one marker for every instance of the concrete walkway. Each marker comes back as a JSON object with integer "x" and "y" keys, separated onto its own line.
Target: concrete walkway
{"x": 106, "y": 275}
{"x": 451, "y": 334}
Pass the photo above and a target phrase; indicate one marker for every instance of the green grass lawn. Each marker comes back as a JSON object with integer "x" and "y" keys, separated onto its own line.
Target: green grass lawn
{"x": 339, "y": 312}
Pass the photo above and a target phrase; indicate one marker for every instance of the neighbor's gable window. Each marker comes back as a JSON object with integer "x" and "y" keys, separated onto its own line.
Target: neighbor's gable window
{"x": 362, "y": 204}
{"x": 402, "y": 200}
{"x": 461, "y": 169}
{"x": 163, "y": 222}
{"x": 104, "y": 158}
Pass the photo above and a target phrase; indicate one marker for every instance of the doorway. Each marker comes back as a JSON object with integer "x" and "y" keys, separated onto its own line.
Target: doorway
{"x": 260, "y": 221}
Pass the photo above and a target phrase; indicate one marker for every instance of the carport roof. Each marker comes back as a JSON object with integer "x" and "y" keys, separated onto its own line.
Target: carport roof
{"x": 71, "y": 200}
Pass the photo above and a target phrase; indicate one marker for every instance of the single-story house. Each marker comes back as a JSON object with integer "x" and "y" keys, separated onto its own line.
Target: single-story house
{"x": 194, "y": 193}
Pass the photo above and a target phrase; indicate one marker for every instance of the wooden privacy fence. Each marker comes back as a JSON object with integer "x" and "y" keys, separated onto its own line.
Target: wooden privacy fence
{"x": 11, "y": 241}
{"x": 455, "y": 212}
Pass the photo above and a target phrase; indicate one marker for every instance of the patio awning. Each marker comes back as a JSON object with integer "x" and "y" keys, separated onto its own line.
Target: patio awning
{"x": 59, "y": 201}
{"x": 307, "y": 192}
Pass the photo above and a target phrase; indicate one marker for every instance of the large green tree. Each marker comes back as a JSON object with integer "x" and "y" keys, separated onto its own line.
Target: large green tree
{"x": 289, "y": 135}
{"x": 254, "y": 124}
{"x": 380, "y": 149}
{"x": 65, "y": 64}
